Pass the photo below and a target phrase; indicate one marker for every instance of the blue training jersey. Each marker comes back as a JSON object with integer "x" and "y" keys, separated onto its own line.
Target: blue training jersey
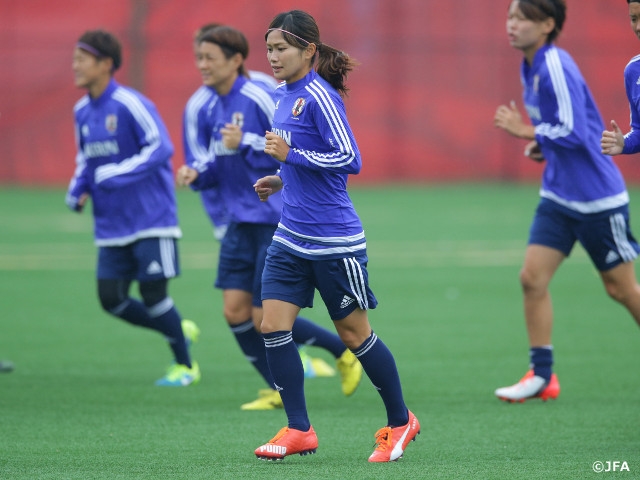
{"x": 568, "y": 127}
{"x": 234, "y": 171}
{"x": 318, "y": 218}
{"x": 196, "y": 140}
{"x": 632, "y": 87}
{"x": 123, "y": 162}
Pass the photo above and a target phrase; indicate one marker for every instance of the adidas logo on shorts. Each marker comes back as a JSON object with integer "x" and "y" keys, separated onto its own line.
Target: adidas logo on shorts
{"x": 611, "y": 257}
{"x": 346, "y": 301}
{"x": 154, "y": 267}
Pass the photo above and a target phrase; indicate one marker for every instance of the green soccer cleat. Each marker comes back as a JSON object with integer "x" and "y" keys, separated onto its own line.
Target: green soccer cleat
{"x": 191, "y": 331}
{"x": 305, "y": 358}
{"x": 180, "y": 376}
{"x": 315, "y": 366}
{"x": 322, "y": 368}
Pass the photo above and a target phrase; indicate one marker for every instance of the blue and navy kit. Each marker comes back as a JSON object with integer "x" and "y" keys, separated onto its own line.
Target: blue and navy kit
{"x": 124, "y": 164}
{"x": 196, "y": 140}
{"x": 632, "y": 86}
{"x": 234, "y": 171}
{"x": 318, "y": 218}
{"x": 568, "y": 127}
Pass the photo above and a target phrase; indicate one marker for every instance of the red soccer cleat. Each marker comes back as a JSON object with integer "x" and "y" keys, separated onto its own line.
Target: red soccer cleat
{"x": 288, "y": 441}
{"x": 530, "y": 386}
{"x": 391, "y": 441}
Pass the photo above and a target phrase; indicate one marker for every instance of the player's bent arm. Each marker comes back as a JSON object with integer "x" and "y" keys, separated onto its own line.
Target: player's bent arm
{"x": 78, "y": 190}
{"x": 267, "y": 186}
{"x": 509, "y": 119}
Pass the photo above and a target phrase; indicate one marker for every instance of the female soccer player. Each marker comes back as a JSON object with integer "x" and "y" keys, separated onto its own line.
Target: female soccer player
{"x": 584, "y": 197}
{"x": 124, "y": 165}
{"x": 320, "y": 242}
{"x": 613, "y": 142}
{"x": 196, "y": 140}
{"x": 234, "y": 126}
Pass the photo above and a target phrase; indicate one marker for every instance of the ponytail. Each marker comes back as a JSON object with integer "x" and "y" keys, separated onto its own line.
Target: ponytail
{"x": 334, "y": 66}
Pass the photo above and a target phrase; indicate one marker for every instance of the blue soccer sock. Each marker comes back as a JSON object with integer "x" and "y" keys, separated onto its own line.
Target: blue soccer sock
{"x": 134, "y": 312}
{"x": 162, "y": 318}
{"x": 380, "y": 366}
{"x": 305, "y": 332}
{"x": 252, "y": 345}
{"x": 542, "y": 361}
{"x": 169, "y": 322}
{"x": 288, "y": 375}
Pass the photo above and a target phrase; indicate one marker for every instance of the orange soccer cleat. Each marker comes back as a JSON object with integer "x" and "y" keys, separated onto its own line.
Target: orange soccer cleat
{"x": 530, "y": 386}
{"x": 391, "y": 441}
{"x": 288, "y": 441}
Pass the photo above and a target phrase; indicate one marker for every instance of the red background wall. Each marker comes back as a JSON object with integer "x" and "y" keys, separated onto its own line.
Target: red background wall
{"x": 421, "y": 103}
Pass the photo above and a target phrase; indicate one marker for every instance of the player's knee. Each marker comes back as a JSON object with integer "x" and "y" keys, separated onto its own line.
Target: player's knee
{"x": 153, "y": 292}
{"x": 618, "y": 292}
{"x": 530, "y": 282}
{"x": 112, "y": 294}
{"x": 354, "y": 330}
{"x": 237, "y": 313}
{"x": 351, "y": 339}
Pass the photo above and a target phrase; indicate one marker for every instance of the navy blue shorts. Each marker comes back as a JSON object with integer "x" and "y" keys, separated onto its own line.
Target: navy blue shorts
{"x": 343, "y": 283}
{"x": 143, "y": 260}
{"x": 242, "y": 253}
{"x": 606, "y": 236}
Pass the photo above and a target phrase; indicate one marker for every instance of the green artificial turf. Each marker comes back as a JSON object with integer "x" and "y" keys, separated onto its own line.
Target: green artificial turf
{"x": 444, "y": 263}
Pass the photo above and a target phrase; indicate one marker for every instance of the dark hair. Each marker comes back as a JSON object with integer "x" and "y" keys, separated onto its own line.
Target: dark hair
{"x": 105, "y": 43}
{"x": 333, "y": 65}
{"x": 197, "y": 35}
{"x": 633, "y": 1}
{"x": 540, "y": 10}
{"x": 231, "y": 41}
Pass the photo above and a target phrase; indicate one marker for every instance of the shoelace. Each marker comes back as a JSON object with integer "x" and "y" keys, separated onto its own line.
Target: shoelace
{"x": 383, "y": 439}
{"x": 279, "y": 435}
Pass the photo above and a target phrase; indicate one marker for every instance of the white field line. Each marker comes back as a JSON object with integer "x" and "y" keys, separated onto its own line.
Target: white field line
{"x": 203, "y": 255}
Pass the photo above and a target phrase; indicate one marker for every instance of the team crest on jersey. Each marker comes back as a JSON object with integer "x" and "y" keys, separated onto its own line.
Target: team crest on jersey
{"x": 237, "y": 119}
{"x": 111, "y": 123}
{"x": 298, "y": 106}
{"x": 85, "y": 130}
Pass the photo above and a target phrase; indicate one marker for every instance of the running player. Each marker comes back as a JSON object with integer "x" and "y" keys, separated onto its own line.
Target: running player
{"x": 320, "y": 243}
{"x": 124, "y": 166}
{"x": 196, "y": 140}
{"x": 234, "y": 126}
{"x": 584, "y": 197}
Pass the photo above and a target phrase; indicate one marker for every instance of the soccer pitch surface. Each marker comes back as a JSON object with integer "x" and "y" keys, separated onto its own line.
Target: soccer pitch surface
{"x": 443, "y": 262}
